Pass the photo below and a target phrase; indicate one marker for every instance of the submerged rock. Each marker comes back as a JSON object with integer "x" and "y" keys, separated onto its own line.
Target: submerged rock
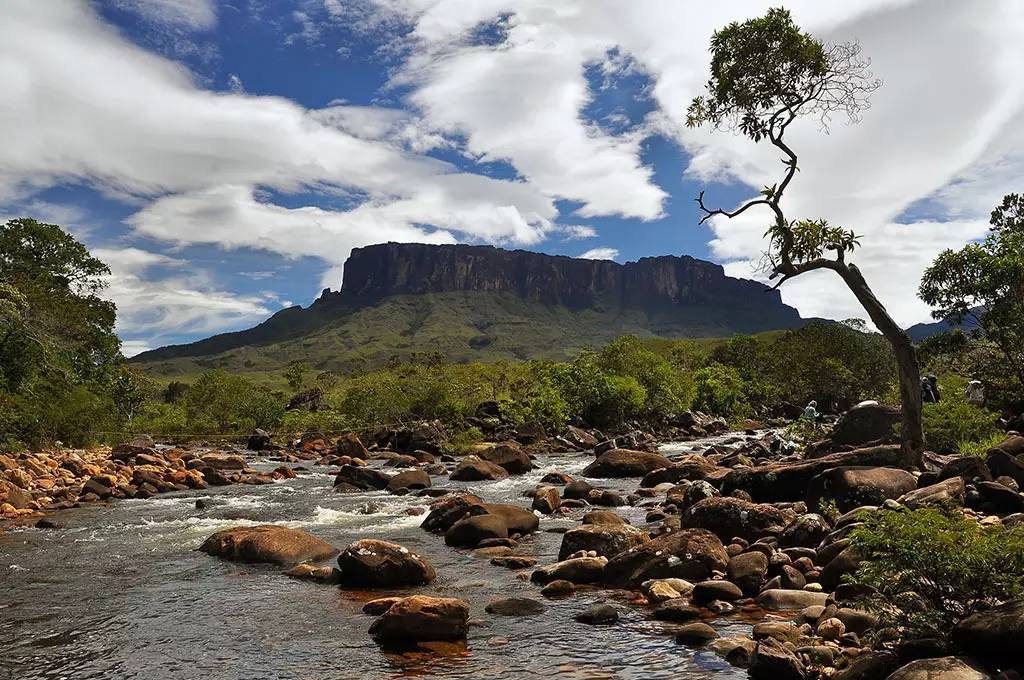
{"x": 267, "y": 543}
{"x": 420, "y": 618}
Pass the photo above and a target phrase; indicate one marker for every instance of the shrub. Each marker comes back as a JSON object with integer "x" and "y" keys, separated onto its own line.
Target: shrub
{"x": 719, "y": 390}
{"x": 953, "y": 424}
{"x": 927, "y": 570}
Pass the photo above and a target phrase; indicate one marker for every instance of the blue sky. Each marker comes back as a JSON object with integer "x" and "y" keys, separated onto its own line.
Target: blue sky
{"x": 224, "y": 157}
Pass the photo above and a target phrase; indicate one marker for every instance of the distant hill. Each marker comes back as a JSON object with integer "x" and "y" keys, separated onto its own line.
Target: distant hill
{"x": 483, "y": 303}
{"x": 923, "y": 331}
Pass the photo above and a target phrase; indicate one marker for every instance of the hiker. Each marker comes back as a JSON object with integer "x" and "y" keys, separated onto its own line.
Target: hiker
{"x": 929, "y": 390}
{"x": 975, "y": 393}
{"x": 811, "y": 411}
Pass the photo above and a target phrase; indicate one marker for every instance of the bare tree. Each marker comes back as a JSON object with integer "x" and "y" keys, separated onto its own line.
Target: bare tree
{"x": 766, "y": 73}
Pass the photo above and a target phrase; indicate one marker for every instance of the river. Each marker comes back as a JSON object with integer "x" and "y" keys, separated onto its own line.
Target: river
{"x": 120, "y": 592}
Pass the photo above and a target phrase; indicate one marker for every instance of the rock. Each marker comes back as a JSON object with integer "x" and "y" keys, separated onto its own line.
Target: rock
{"x": 603, "y": 517}
{"x": 747, "y": 571}
{"x": 515, "y": 606}
{"x": 852, "y": 487}
{"x": 467, "y": 533}
{"x": 309, "y": 572}
{"x": 619, "y": 463}
{"x": 223, "y": 461}
{"x": 361, "y": 478}
{"x": 676, "y": 610}
{"x": 788, "y": 481}
{"x": 575, "y": 570}
{"x": 606, "y": 540}
{"x": 514, "y": 561}
{"x": 845, "y": 562}
{"x": 830, "y": 629}
{"x": 598, "y": 614}
{"x": 373, "y": 563}
{"x": 259, "y": 440}
{"x": 518, "y": 520}
{"x": 422, "y": 618}
{"x": 705, "y": 592}
{"x": 509, "y": 456}
{"x": 662, "y": 589}
{"x": 947, "y": 493}
{"x": 728, "y": 517}
{"x": 942, "y": 668}
{"x": 558, "y": 588}
{"x": 410, "y": 479}
{"x": 806, "y": 531}
{"x": 690, "y": 554}
{"x": 695, "y": 634}
{"x": 869, "y": 666}
{"x": 350, "y": 445}
{"x": 546, "y": 499}
{"x": 556, "y": 479}
{"x": 447, "y": 510}
{"x": 694, "y": 469}
{"x": 771, "y": 660}
{"x": 865, "y": 423}
{"x": 530, "y": 433}
{"x": 1003, "y": 464}
{"x": 1003, "y": 499}
{"x": 267, "y": 543}
{"x": 779, "y": 600}
{"x": 967, "y": 468}
{"x": 473, "y": 469}
{"x": 995, "y": 635}
{"x": 579, "y": 438}
{"x": 577, "y": 490}
{"x": 856, "y": 621}
{"x": 735, "y": 650}
{"x": 380, "y": 605}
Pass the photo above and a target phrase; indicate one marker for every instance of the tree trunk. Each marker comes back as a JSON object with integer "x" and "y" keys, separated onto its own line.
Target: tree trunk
{"x": 912, "y": 427}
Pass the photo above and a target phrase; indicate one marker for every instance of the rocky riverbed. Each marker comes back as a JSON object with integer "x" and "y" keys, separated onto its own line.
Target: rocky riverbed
{"x": 690, "y": 559}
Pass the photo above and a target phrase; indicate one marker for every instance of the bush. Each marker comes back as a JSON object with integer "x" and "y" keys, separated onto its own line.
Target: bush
{"x": 927, "y": 570}
{"x": 953, "y": 424}
{"x": 719, "y": 390}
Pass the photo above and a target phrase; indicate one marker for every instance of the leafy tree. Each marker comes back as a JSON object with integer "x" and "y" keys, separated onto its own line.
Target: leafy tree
{"x": 983, "y": 283}
{"x": 226, "y": 402}
{"x": 926, "y": 570}
{"x": 719, "y": 390}
{"x": 296, "y": 375}
{"x": 765, "y": 74}
{"x": 666, "y": 391}
{"x": 174, "y": 392}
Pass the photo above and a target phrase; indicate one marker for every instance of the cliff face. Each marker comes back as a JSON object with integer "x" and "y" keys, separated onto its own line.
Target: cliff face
{"x": 479, "y": 303}
{"x": 387, "y": 269}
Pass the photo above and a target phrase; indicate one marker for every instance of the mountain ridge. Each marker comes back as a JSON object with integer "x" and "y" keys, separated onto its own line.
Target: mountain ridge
{"x": 466, "y": 299}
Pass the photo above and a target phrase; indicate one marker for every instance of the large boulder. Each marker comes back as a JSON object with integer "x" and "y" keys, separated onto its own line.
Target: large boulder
{"x": 473, "y": 469}
{"x": 381, "y": 564}
{"x": 575, "y": 570}
{"x": 772, "y": 660}
{"x": 518, "y": 520}
{"x": 619, "y": 463}
{"x": 866, "y": 422}
{"x": 449, "y": 509}
{"x": 420, "y": 619}
{"x": 469, "y": 532}
{"x": 1003, "y": 464}
{"x": 350, "y": 445}
{"x": 728, "y": 518}
{"x": 607, "y": 540}
{"x": 788, "y": 481}
{"x": 947, "y": 493}
{"x": 410, "y": 479}
{"x": 783, "y": 600}
{"x": 852, "y": 487}
{"x": 267, "y": 543}
{"x": 689, "y": 554}
{"x": 747, "y": 570}
{"x": 360, "y": 478}
{"x": 942, "y": 668}
{"x": 509, "y": 456}
{"x": 1012, "y": 445}
{"x": 996, "y": 635}
{"x": 806, "y": 531}
{"x": 692, "y": 469}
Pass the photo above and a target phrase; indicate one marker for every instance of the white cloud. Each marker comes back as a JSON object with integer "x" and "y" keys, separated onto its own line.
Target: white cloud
{"x": 167, "y": 303}
{"x": 599, "y": 254}
{"x": 193, "y": 14}
{"x": 945, "y": 126}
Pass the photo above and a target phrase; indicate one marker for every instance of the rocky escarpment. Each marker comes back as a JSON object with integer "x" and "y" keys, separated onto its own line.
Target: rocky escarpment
{"x": 409, "y": 268}
{"x": 480, "y": 303}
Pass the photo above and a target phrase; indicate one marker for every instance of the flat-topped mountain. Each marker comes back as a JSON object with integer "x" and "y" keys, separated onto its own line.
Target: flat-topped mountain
{"x": 481, "y": 303}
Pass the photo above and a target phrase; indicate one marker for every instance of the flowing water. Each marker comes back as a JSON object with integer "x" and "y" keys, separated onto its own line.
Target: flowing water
{"x": 121, "y": 592}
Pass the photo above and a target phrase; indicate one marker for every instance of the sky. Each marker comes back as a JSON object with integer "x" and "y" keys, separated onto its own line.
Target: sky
{"x": 224, "y": 157}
